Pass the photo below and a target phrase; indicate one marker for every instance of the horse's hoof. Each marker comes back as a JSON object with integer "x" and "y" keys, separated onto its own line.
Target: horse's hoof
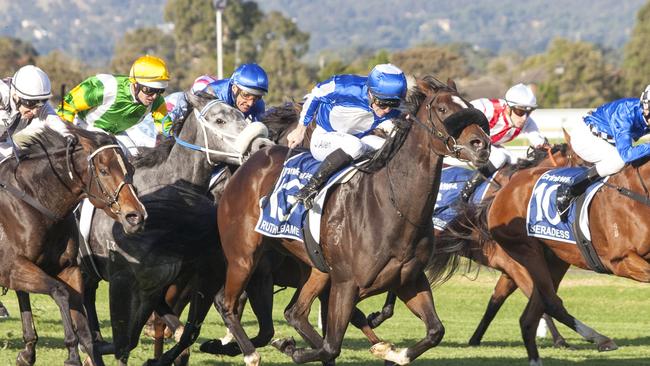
{"x": 216, "y": 348}
{"x": 388, "y": 352}
{"x": 21, "y": 360}
{"x": 284, "y": 345}
{"x": 150, "y": 362}
{"x": 537, "y": 362}
{"x": 608, "y": 345}
{"x": 562, "y": 344}
{"x": 87, "y": 362}
{"x": 3, "y": 312}
{"x": 253, "y": 359}
{"x": 473, "y": 343}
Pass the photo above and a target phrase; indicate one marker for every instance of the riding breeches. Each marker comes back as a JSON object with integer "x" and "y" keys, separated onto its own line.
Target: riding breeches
{"x": 593, "y": 149}
{"x": 323, "y": 143}
{"x": 499, "y": 155}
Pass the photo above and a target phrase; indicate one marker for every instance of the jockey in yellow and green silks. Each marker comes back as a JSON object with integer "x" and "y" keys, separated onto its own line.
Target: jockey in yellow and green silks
{"x": 116, "y": 103}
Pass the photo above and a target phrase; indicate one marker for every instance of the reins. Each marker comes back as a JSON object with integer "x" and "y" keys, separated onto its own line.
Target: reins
{"x": 631, "y": 194}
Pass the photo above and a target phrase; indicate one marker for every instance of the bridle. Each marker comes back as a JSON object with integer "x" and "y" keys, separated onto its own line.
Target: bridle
{"x": 108, "y": 198}
{"x": 453, "y": 149}
{"x": 228, "y": 138}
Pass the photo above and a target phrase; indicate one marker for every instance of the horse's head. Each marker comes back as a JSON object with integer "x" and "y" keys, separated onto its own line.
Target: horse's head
{"x": 108, "y": 179}
{"x": 459, "y": 130}
{"x": 225, "y": 134}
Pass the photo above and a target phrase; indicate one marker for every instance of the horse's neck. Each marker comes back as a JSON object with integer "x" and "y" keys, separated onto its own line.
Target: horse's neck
{"x": 414, "y": 171}
{"x": 183, "y": 165}
{"x": 57, "y": 194}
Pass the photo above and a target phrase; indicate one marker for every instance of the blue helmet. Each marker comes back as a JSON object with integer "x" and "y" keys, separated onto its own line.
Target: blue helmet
{"x": 387, "y": 82}
{"x": 251, "y": 78}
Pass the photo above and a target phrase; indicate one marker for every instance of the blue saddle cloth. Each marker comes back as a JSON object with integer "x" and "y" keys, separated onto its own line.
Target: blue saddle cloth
{"x": 543, "y": 219}
{"x": 452, "y": 182}
{"x": 280, "y": 215}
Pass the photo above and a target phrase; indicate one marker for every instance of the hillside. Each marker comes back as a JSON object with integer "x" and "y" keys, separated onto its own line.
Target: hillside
{"x": 88, "y": 29}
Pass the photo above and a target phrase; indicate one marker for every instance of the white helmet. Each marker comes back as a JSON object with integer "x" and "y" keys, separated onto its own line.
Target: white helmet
{"x": 31, "y": 83}
{"x": 521, "y": 96}
{"x": 645, "y": 98}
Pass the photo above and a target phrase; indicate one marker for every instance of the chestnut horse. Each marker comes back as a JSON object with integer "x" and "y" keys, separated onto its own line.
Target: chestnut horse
{"x": 622, "y": 250}
{"x": 38, "y": 194}
{"x": 396, "y": 195}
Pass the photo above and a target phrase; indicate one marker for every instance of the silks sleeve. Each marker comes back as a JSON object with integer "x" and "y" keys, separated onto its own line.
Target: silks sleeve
{"x": 87, "y": 95}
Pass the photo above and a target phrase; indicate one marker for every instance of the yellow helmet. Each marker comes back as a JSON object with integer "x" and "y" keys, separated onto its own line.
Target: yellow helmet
{"x": 150, "y": 71}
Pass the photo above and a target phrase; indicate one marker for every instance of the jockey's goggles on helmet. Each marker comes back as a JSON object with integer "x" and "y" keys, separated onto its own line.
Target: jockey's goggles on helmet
{"x": 32, "y": 103}
{"x": 249, "y": 97}
{"x": 147, "y": 90}
{"x": 521, "y": 110}
{"x": 386, "y": 103}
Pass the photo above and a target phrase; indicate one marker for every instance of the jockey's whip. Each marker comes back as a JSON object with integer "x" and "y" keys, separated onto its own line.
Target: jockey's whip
{"x": 62, "y": 96}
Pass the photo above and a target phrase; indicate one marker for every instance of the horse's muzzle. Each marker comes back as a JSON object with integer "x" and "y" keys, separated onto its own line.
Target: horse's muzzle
{"x": 133, "y": 222}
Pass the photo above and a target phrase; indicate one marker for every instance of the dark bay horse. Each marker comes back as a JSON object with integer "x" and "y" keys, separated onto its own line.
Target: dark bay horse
{"x": 173, "y": 181}
{"x": 38, "y": 195}
{"x": 384, "y": 245}
{"x": 626, "y": 254}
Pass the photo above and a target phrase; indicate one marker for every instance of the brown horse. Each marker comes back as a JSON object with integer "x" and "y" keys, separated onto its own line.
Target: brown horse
{"x": 513, "y": 274}
{"x": 623, "y": 252}
{"x": 365, "y": 259}
{"x": 38, "y": 195}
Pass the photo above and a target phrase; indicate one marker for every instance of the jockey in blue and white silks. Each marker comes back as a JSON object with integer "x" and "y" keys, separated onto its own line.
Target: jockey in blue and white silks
{"x": 346, "y": 108}
{"x": 243, "y": 90}
{"x": 606, "y": 138}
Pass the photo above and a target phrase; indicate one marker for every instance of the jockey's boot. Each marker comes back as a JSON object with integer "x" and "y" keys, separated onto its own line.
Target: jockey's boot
{"x": 332, "y": 163}
{"x": 566, "y": 193}
{"x": 479, "y": 176}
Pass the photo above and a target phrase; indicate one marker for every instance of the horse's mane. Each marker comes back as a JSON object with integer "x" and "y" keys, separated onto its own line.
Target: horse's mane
{"x": 150, "y": 157}
{"x": 416, "y": 96}
{"x": 46, "y": 138}
{"x": 279, "y": 119}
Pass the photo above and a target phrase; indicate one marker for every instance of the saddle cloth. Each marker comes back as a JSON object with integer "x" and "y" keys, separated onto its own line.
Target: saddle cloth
{"x": 452, "y": 181}
{"x": 543, "y": 219}
{"x": 280, "y": 215}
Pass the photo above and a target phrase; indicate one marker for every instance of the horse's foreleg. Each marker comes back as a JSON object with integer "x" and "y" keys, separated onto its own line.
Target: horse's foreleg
{"x": 27, "y": 356}
{"x": 417, "y": 297}
{"x": 26, "y": 276}
{"x": 72, "y": 277}
{"x": 375, "y": 319}
{"x": 505, "y": 287}
{"x": 297, "y": 312}
{"x": 343, "y": 297}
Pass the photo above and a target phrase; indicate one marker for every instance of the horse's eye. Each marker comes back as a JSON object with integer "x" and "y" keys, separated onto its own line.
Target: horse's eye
{"x": 103, "y": 171}
{"x": 220, "y": 121}
{"x": 442, "y": 109}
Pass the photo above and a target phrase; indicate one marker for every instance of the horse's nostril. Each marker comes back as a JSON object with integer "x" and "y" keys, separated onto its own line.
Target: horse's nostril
{"x": 133, "y": 218}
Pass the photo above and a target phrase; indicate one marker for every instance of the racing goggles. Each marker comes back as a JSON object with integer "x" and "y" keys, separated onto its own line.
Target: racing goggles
{"x": 386, "y": 103}
{"x": 522, "y": 111}
{"x": 32, "y": 103}
{"x": 149, "y": 91}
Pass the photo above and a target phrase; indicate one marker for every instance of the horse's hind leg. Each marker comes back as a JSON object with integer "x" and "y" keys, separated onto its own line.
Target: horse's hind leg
{"x": 505, "y": 287}
{"x": 26, "y": 276}
{"x": 27, "y": 356}
{"x": 417, "y": 297}
{"x": 375, "y": 319}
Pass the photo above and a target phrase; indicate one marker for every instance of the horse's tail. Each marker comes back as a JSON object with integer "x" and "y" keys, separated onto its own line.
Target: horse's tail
{"x": 466, "y": 233}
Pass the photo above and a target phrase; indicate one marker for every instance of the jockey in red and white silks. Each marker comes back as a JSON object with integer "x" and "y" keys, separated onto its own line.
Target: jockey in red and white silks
{"x": 508, "y": 118}
{"x": 503, "y": 130}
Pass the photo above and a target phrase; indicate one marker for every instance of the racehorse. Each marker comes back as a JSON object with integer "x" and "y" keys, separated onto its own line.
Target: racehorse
{"x": 364, "y": 259}
{"x": 40, "y": 188}
{"x": 173, "y": 182}
{"x": 623, "y": 251}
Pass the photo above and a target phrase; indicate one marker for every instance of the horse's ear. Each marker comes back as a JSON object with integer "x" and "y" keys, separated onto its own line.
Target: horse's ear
{"x": 567, "y": 138}
{"x": 451, "y": 84}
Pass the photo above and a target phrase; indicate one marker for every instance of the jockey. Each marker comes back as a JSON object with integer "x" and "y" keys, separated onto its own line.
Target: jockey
{"x": 243, "y": 90}
{"x": 24, "y": 103}
{"x": 346, "y": 109}
{"x": 116, "y": 103}
{"x": 606, "y": 138}
{"x": 508, "y": 118}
